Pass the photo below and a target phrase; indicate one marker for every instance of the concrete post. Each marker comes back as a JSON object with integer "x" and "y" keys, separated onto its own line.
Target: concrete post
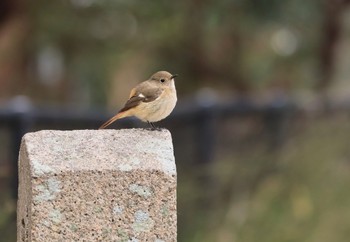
{"x": 90, "y": 185}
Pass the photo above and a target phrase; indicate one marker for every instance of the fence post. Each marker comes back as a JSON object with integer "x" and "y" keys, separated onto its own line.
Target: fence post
{"x": 90, "y": 185}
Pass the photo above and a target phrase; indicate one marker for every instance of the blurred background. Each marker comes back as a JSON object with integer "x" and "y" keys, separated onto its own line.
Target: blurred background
{"x": 261, "y": 130}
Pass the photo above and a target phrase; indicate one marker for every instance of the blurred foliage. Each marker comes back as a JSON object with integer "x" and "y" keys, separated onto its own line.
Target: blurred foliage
{"x": 229, "y": 45}
{"x": 296, "y": 193}
{"x": 7, "y": 213}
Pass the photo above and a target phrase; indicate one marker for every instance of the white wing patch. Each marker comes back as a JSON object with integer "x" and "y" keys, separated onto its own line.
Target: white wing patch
{"x": 141, "y": 95}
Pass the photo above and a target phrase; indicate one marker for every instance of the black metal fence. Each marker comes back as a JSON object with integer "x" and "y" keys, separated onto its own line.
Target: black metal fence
{"x": 21, "y": 117}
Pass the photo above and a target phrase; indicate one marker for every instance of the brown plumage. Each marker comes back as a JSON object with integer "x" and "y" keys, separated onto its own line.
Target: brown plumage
{"x": 150, "y": 101}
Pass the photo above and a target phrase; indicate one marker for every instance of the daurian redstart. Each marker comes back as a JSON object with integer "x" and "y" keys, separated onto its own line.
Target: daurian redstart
{"x": 150, "y": 101}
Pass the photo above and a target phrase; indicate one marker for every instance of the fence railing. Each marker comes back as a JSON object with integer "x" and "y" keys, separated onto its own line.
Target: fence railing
{"x": 21, "y": 117}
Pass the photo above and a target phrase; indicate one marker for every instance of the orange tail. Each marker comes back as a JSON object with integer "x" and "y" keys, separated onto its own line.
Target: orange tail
{"x": 113, "y": 119}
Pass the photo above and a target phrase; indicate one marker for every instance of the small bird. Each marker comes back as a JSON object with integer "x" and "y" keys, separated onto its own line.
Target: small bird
{"x": 150, "y": 101}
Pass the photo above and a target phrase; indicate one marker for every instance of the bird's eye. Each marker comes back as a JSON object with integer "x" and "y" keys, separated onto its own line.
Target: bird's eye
{"x": 162, "y": 80}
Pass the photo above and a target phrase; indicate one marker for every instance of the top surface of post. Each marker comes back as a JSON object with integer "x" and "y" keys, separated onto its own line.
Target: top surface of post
{"x": 111, "y": 149}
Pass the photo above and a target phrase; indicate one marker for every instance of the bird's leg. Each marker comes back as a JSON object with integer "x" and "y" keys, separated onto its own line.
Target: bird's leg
{"x": 153, "y": 127}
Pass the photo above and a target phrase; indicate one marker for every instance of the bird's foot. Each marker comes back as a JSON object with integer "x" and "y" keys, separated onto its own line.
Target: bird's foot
{"x": 153, "y": 127}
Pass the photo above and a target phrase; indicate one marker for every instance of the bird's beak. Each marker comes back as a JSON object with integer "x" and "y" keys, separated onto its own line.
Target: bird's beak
{"x": 173, "y": 76}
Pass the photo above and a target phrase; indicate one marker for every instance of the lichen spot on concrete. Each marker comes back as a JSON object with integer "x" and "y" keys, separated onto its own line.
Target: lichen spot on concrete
{"x": 117, "y": 210}
{"x": 125, "y": 167}
{"x": 55, "y": 216}
{"x": 164, "y": 210}
{"x": 73, "y": 227}
{"x": 168, "y": 166}
{"x": 40, "y": 169}
{"x": 135, "y": 160}
{"x": 123, "y": 235}
{"x": 159, "y": 240}
{"x": 142, "y": 223}
{"x": 142, "y": 191}
{"x": 48, "y": 191}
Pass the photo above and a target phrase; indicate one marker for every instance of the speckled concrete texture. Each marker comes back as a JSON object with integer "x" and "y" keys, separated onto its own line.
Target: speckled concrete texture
{"x": 97, "y": 185}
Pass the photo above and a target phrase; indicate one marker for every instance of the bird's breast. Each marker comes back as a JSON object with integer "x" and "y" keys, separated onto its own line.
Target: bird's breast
{"x": 158, "y": 109}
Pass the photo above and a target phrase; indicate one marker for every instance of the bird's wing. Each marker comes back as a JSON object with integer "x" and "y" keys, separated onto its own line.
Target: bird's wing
{"x": 142, "y": 94}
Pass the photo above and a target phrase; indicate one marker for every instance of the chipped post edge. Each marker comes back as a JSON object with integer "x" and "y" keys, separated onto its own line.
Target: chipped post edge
{"x": 24, "y": 195}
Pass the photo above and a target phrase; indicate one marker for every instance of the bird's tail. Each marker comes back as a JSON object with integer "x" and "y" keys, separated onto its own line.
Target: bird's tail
{"x": 113, "y": 119}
